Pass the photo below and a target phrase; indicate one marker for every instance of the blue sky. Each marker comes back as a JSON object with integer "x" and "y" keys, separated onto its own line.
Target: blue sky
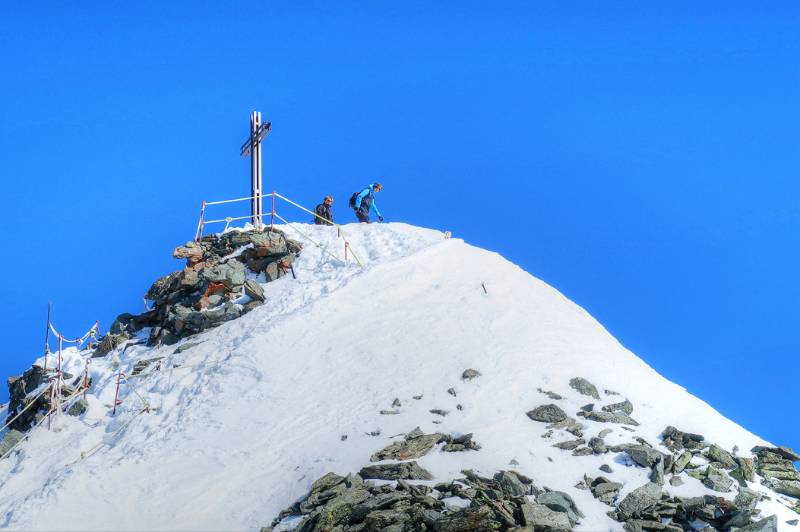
{"x": 640, "y": 158}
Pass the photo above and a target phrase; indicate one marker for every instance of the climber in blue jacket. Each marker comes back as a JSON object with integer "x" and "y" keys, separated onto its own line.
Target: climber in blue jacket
{"x": 364, "y": 201}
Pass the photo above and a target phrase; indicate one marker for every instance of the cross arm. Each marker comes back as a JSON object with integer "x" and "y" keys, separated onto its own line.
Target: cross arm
{"x": 262, "y": 132}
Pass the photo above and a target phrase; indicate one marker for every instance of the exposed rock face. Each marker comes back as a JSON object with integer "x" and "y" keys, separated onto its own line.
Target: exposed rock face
{"x": 22, "y": 392}
{"x": 201, "y": 296}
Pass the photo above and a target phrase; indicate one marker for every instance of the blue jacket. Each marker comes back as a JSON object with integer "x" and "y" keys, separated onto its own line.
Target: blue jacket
{"x": 367, "y": 199}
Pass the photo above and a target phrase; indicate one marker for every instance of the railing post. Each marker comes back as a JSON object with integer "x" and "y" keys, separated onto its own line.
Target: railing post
{"x": 199, "y": 233}
{"x": 86, "y": 377}
{"x": 272, "y": 217}
{"x": 116, "y": 395}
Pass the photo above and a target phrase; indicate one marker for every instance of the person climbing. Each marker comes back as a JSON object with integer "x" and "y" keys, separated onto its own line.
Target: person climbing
{"x": 322, "y": 213}
{"x": 364, "y": 201}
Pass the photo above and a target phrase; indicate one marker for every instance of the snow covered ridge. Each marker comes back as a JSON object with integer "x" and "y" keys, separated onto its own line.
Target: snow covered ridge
{"x": 355, "y": 377}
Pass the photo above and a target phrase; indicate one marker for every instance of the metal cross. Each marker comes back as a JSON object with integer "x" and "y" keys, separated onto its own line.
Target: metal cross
{"x": 252, "y": 147}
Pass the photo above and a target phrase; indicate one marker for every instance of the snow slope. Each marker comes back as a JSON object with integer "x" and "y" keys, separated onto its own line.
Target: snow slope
{"x": 257, "y": 410}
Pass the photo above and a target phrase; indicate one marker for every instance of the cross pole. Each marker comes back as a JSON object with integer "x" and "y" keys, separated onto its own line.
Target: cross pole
{"x": 252, "y": 147}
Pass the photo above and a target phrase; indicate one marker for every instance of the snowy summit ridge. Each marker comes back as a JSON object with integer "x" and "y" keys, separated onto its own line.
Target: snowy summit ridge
{"x": 347, "y": 369}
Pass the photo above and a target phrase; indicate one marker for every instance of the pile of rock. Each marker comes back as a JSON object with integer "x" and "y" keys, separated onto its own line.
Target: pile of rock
{"x": 204, "y": 294}
{"x": 776, "y": 467}
{"x": 648, "y": 508}
{"x": 507, "y": 501}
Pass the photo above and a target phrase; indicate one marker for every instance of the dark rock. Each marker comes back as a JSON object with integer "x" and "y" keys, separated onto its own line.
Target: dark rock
{"x": 547, "y": 414}
{"x": 439, "y": 412}
{"x": 597, "y": 445}
{"x": 582, "y": 451}
{"x": 142, "y": 365}
{"x": 452, "y": 391}
{"x": 470, "y": 374}
{"x": 404, "y": 470}
{"x": 588, "y": 408}
{"x": 584, "y": 387}
{"x": 675, "y": 440}
{"x": 569, "y": 445}
{"x": 108, "y": 343}
{"x": 605, "y": 468}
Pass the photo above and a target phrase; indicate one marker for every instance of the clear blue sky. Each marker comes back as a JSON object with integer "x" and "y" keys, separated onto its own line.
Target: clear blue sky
{"x": 642, "y": 159}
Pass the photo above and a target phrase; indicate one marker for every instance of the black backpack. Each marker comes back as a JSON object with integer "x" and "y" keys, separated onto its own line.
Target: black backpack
{"x": 352, "y": 202}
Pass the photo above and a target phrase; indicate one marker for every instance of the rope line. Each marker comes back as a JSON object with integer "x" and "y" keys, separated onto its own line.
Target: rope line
{"x": 52, "y": 409}
{"x": 320, "y": 246}
{"x": 30, "y": 404}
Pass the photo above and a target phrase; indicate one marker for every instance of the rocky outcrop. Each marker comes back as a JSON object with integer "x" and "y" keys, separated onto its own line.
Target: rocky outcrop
{"x": 26, "y": 405}
{"x": 507, "y": 501}
{"x": 220, "y": 269}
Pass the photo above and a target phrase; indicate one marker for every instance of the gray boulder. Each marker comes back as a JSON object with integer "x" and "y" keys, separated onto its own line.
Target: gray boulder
{"x": 625, "y": 407}
{"x": 415, "y": 445}
{"x": 569, "y": 445}
{"x": 769, "y": 524}
{"x": 78, "y": 407}
{"x": 540, "y": 517}
{"x": 547, "y": 414}
{"x": 681, "y": 462}
{"x": 253, "y": 290}
{"x": 784, "y": 487}
{"x": 511, "y": 484}
{"x": 641, "y": 454}
{"x": 597, "y": 445}
{"x": 10, "y": 439}
{"x": 560, "y": 502}
{"x": 640, "y": 500}
{"x": 718, "y": 454}
{"x": 609, "y": 417}
{"x": 584, "y": 387}
{"x": 402, "y": 470}
{"x": 605, "y": 490}
{"x": 717, "y": 480}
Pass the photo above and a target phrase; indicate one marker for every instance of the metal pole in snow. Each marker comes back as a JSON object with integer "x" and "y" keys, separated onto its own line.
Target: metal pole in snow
{"x": 272, "y": 220}
{"x": 47, "y": 335}
{"x": 116, "y": 395}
